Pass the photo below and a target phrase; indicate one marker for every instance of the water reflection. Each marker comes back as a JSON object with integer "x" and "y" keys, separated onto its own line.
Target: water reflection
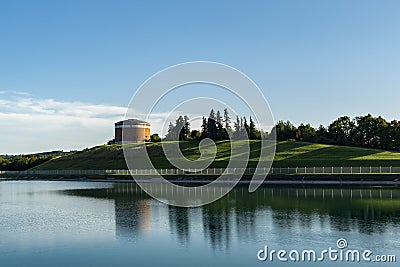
{"x": 132, "y": 216}
{"x": 179, "y": 223}
{"x": 217, "y": 225}
{"x": 241, "y": 215}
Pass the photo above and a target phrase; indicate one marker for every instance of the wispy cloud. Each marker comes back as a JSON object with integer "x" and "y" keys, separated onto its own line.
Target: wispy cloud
{"x": 12, "y": 92}
{"x": 29, "y": 124}
{"x": 20, "y": 103}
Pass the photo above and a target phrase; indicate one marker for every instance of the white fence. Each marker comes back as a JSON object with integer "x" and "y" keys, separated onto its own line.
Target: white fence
{"x": 337, "y": 170}
{"x": 218, "y": 171}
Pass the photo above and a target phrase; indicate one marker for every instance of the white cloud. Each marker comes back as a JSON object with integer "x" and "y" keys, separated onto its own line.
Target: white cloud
{"x": 32, "y": 125}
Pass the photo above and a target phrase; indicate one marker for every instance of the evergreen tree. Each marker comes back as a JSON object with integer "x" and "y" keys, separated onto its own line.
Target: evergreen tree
{"x": 218, "y": 117}
{"x": 186, "y": 127}
{"x": 227, "y": 120}
{"x": 236, "y": 125}
{"x": 212, "y": 126}
{"x": 221, "y": 133}
{"x": 171, "y": 135}
{"x": 204, "y": 129}
{"x": 253, "y": 133}
{"x": 246, "y": 127}
{"x": 180, "y": 131}
{"x": 179, "y": 128}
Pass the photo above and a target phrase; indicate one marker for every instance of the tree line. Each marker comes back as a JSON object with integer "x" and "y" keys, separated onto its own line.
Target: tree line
{"x": 362, "y": 131}
{"x": 25, "y": 162}
{"x": 216, "y": 126}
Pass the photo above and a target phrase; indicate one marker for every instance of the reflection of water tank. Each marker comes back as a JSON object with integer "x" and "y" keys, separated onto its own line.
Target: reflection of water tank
{"x": 132, "y": 217}
{"x": 132, "y": 130}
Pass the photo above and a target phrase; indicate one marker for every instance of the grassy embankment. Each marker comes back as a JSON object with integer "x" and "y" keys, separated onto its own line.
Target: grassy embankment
{"x": 288, "y": 154}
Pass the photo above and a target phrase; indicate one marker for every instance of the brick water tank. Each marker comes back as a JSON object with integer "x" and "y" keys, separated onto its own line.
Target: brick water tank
{"x": 132, "y": 130}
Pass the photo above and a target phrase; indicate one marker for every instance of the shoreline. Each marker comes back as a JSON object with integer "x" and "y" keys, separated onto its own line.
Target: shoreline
{"x": 286, "y": 180}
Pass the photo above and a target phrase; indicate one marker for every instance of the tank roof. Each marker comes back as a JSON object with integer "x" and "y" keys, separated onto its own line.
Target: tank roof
{"x": 132, "y": 122}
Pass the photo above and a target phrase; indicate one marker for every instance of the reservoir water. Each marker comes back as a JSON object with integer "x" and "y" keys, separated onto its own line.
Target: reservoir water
{"x": 116, "y": 224}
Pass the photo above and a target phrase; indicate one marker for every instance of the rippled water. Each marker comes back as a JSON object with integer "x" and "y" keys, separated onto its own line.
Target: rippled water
{"x": 110, "y": 224}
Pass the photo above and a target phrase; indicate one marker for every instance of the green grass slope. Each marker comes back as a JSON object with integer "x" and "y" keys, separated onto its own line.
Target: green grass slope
{"x": 288, "y": 154}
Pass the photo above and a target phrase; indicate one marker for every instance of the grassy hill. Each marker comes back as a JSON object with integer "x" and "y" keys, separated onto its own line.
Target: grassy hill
{"x": 288, "y": 154}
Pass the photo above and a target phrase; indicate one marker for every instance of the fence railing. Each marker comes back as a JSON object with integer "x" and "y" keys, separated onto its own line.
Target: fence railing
{"x": 218, "y": 171}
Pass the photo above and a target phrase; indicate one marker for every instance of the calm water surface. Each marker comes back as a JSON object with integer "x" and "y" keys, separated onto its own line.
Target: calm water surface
{"x": 110, "y": 224}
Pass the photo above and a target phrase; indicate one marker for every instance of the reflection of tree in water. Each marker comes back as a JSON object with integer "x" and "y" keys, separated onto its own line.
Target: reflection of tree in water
{"x": 179, "y": 222}
{"x": 371, "y": 215}
{"x": 236, "y": 213}
{"x": 299, "y": 207}
{"x": 246, "y": 206}
{"x": 367, "y": 217}
{"x": 216, "y": 225}
{"x": 219, "y": 216}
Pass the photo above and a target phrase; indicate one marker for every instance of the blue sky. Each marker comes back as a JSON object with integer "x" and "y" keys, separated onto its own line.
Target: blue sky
{"x": 313, "y": 60}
